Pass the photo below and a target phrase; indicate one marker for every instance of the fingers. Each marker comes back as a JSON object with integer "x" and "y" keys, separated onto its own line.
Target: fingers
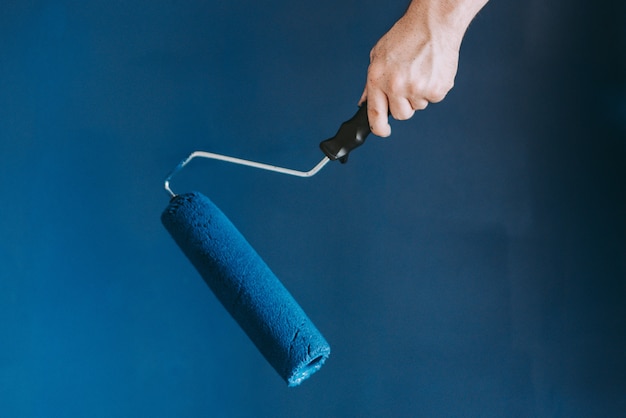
{"x": 379, "y": 106}
{"x": 418, "y": 103}
{"x": 363, "y": 96}
{"x": 402, "y": 105}
{"x": 400, "y": 108}
{"x": 377, "y": 113}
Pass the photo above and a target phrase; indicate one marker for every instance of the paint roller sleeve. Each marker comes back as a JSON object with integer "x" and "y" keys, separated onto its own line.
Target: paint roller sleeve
{"x": 246, "y": 287}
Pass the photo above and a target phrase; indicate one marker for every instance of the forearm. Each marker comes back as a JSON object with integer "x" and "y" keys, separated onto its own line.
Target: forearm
{"x": 452, "y": 16}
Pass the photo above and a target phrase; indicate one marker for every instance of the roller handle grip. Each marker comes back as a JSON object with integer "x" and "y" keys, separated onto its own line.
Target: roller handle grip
{"x": 351, "y": 135}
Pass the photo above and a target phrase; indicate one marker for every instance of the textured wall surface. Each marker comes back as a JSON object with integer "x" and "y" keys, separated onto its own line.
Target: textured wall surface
{"x": 473, "y": 264}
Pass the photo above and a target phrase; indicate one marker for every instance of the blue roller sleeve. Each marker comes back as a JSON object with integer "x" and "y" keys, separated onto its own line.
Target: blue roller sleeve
{"x": 246, "y": 287}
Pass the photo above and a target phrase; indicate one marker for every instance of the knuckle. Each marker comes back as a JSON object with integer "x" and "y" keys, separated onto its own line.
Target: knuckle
{"x": 375, "y": 71}
{"x": 437, "y": 95}
{"x": 440, "y": 91}
{"x": 375, "y": 114}
{"x": 420, "y": 104}
{"x": 413, "y": 90}
{"x": 403, "y": 115}
{"x": 397, "y": 85}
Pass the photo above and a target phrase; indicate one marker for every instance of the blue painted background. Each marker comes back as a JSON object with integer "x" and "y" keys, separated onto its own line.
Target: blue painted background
{"x": 474, "y": 264}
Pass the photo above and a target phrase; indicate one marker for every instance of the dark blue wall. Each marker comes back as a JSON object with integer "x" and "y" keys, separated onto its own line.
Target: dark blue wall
{"x": 474, "y": 264}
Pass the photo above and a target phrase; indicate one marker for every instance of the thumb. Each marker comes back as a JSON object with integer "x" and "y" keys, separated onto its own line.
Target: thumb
{"x": 363, "y": 96}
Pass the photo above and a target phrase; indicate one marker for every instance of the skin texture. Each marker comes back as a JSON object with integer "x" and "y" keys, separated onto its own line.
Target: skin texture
{"x": 415, "y": 63}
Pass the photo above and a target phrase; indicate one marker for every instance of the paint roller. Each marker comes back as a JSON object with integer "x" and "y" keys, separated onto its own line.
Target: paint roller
{"x": 237, "y": 275}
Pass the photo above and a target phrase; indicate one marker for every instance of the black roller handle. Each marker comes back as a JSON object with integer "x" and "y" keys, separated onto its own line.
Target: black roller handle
{"x": 351, "y": 134}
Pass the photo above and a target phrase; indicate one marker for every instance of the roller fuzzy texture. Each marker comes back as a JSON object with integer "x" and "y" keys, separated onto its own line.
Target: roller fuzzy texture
{"x": 246, "y": 287}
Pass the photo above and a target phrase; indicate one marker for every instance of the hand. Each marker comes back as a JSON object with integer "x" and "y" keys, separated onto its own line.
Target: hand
{"x": 415, "y": 63}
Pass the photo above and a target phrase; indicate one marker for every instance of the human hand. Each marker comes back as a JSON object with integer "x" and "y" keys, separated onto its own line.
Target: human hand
{"x": 415, "y": 63}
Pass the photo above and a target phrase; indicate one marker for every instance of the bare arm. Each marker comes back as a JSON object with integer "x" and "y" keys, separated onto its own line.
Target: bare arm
{"x": 416, "y": 61}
